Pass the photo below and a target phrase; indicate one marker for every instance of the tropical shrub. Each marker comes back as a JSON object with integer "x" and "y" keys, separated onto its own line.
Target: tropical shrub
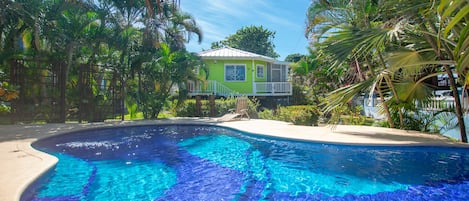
{"x": 418, "y": 120}
{"x": 267, "y": 114}
{"x": 222, "y": 106}
{"x": 7, "y": 93}
{"x": 307, "y": 115}
{"x": 349, "y": 115}
{"x": 300, "y": 95}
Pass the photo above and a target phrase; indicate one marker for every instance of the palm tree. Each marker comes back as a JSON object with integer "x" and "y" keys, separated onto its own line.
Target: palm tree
{"x": 165, "y": 22}
{"x": 443, "y": 26}
{"x": 179, "y": 29}
{"x": 124, "y": 15}
{"x": 143, "y": 52}
{"x": 123, "y": 34}
{"x": 389, "y": 35}
{"x": 170, "y": 68}
{"x": 16, "y": 20}
{"x": 346, "y": 30}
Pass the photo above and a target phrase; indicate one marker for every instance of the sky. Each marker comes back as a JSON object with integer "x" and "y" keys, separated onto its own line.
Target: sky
{"x": 219, "y": 19}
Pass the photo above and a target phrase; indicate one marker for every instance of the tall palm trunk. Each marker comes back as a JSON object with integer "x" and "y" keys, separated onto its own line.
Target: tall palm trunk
{"x": 381, "y": 95}
{"x": 452, "y": 81}
{"x": 457, "y": 104}
{"x": 394, "y": 92}
{"x": 386, "y": 108}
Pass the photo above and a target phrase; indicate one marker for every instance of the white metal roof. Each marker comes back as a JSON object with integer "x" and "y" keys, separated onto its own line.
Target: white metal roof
{"x": 232, "y": 53}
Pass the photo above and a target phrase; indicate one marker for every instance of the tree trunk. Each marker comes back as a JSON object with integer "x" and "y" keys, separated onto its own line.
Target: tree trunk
{"x": 453, "y": 86}
{"x": 457, "y": 103}
{"x": 386, "y": 108}
{"x": 385, "y": 105}
{"x": 395, "y": 95}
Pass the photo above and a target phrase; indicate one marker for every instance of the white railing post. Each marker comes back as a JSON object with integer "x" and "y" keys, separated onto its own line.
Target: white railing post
{"x": 254, "y": 88}
{"x": 215, "y": 88}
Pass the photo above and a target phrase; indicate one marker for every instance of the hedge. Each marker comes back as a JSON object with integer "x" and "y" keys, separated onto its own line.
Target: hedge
{"x": 222, "y": 107}
{"x": 307, "y": 115}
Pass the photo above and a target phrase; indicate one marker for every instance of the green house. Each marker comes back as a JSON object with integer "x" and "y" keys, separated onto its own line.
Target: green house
{"x": 234, "y": 72}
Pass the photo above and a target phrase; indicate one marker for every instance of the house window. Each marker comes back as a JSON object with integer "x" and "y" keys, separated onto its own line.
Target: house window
{"x": 235, "y": 72}
{"x": 260, "y": 71}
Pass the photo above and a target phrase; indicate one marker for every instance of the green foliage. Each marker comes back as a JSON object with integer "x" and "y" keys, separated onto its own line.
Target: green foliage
{"x": 168, "y": 69}
{"x": 4, "y": 108}
{"x": 294, "y": 57}
{"x": 414, "y": 119}
{"x": 314, "y": 76}
{"x": 267, "y": 114}
{"x": 132, "y": 109}
{"x": 255, "y": 39}
{"x": 302, "y": 95}
{"x": 222, "y": 107}
{"x": 357, "y": 120}
{"x": 102, "y": 39}
{"x": 419, "y": 121}
{"x": 349, "y": 115}
{"x": 7, "y": 93}
{"x": 307, "y": 115}
{"x": 392, "y": 47}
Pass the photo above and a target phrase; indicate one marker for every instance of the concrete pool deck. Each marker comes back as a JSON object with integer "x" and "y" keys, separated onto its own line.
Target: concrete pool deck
{"x": 21, "y": 164}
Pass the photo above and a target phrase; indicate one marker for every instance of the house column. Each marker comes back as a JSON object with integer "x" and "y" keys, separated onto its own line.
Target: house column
{"x": 253, "y": 68}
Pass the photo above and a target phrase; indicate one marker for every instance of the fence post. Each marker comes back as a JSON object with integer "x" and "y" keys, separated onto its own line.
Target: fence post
{"x": 62, "y": 88}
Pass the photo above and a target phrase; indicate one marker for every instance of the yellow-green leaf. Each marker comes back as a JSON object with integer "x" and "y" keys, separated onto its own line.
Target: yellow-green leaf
{"x": 460, "y": 15}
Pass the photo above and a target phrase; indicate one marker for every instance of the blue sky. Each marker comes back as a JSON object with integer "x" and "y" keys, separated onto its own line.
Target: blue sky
{"x": 221, "y": 18}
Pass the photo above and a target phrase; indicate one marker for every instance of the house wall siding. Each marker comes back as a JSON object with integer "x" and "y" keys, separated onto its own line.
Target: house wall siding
{"x": 217, "y": 72}
{"x": 263, "y": 63}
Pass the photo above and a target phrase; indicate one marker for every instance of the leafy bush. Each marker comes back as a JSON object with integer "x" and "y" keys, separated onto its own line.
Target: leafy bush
{"x": 267, "y": 114}
{"x": 307, "y": 115}
{"x": 222, "y": 106}
{"x": 357, "y": 120}
{"x": 349, "y": 115}
{"x": 7, "y": 93}
{"x": 416, "y": 120}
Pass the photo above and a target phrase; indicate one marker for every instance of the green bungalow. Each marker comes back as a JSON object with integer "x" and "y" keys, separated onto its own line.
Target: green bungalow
{"x": 234, "y": 72}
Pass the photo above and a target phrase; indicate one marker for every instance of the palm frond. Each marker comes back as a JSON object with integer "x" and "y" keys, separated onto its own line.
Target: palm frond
{"x": 345, "y": 94}
{"x": 410, "y": 90}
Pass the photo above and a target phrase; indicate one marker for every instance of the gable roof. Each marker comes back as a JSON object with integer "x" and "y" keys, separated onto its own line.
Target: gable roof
{"x": 233, "y": 53}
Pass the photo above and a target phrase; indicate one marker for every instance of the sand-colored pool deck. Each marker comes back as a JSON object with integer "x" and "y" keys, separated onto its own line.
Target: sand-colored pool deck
{"x": 21, "y": 164}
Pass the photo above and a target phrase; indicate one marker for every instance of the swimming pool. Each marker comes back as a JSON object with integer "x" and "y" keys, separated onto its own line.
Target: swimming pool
{"x": 202, "y": 162}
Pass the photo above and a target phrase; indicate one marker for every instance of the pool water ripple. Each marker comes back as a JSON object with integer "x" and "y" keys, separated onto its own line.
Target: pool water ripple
{"x": 194, "y": 162}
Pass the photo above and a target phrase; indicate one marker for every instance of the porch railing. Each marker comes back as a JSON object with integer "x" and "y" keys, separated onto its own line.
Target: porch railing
{"x": 273, "y": 88}
{"x": 434, "y": 104}
{"x": 444, "y": 103}
{"x": 260, "y": 88}
{"x": 210, "y": 87}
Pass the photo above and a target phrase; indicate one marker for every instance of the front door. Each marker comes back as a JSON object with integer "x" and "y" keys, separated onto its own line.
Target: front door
{"x": 276, "y": 75}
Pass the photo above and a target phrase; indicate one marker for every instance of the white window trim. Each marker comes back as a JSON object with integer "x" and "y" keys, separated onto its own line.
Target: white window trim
{"x": 257, "y": 71}
{"x": 245, "y": 73}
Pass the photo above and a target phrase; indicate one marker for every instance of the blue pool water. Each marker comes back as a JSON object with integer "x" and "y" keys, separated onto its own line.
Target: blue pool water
{"x": 197, "y": 162}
